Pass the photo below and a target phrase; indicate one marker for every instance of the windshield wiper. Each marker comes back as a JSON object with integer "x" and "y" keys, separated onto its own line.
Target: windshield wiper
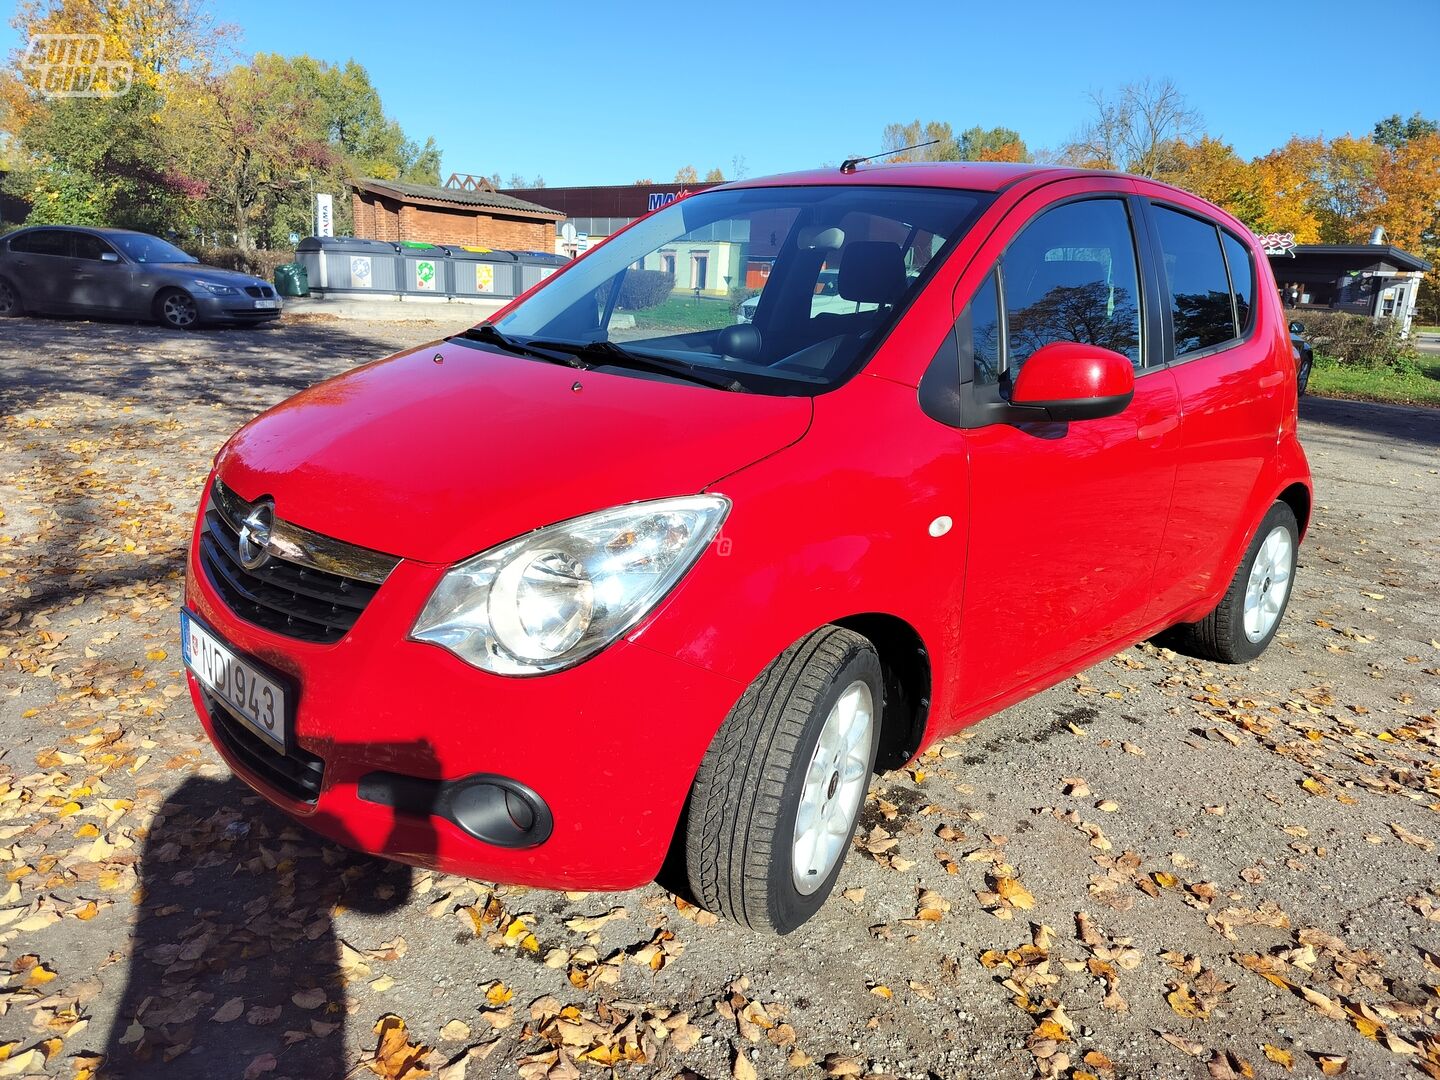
{"x": 490, "y": 336}
{"x": 612, "y": 355}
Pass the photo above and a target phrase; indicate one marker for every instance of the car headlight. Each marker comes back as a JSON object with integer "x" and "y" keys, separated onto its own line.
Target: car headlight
{"x": 215, "y": 290}
{"x": 551, "y": 598}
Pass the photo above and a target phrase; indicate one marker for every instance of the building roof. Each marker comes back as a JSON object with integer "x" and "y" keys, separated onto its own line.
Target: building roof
{"x": 431, "y": 195}
{"x": 1377, "y": 252}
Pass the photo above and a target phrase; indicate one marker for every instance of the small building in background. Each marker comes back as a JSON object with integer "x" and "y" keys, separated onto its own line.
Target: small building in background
{"x": 466, "y": 215}
{"x": 1375, "y": 279}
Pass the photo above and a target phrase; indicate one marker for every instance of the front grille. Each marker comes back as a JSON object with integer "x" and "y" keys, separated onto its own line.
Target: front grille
{"x": 295, "y": 773}
{"x": 292, "y": 597}
{"x": 260, "y": 291}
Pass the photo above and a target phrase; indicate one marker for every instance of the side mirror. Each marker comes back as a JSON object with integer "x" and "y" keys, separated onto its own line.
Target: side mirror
{"x": 1297, "y": 328}
{"x": 109, "y": 256}
{"x": 1070, "y": 381}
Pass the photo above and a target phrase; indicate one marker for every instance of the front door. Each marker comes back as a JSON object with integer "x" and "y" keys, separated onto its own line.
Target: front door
{"x": 1066, "y": 519}
{"x": 95, "y": 283}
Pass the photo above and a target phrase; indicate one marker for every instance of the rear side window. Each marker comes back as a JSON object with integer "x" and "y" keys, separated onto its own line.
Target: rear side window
{"x": 1242, "y": 278}
{"x": 1069, "y": 276}
{"x": 44, "y": 242}
{"x": 1199, "y": 286}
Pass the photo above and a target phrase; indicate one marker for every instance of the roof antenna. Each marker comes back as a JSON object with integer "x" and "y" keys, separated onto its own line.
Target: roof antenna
{"x": 848, "y": 165}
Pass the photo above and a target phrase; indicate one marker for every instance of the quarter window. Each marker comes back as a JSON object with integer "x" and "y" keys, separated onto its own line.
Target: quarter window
{"x": 1199, "y": 286}
{"x": 1242, "y": 278}
{"x": 1071, "y": 275}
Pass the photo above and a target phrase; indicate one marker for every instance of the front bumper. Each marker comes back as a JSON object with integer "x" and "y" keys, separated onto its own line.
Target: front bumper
{"x": 611, "y": 746}
{"x": 233, "y": 308}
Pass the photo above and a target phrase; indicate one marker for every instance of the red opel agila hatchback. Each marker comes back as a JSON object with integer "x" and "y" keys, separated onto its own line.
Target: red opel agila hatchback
{"x": 628, "y": 567}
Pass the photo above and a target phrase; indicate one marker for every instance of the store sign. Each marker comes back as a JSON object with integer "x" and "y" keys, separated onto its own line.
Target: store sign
{"x": 324, "y": 215}
{"x": 1277, "y": 244}
{"x": 660, "y": 199}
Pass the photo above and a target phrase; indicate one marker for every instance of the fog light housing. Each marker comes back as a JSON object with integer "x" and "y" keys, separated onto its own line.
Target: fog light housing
{"x": 493, "y": 809}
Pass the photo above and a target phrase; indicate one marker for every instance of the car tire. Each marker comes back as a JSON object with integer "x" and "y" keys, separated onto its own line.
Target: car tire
{"x": 177, "y": 309}
{"x": 800, "y": 741}
{"x": 1245, "y": 621}
{"x": 1302, "y": 376}
{"x": 11, "y": 305}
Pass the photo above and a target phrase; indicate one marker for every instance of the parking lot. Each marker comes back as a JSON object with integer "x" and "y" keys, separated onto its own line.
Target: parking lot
{"x": 1158, "y": 868}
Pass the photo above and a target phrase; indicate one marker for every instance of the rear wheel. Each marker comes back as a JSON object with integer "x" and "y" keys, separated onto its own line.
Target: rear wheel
{"x": 1302, "y": 376}
{"x": 10, "y": 305}
{"x": 177, "y": 310}
{"x": 1247, "y": 617}
{"x": 778, "y": 795}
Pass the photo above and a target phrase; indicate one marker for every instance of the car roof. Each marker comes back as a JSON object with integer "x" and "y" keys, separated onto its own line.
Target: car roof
{"x": 966, "y": 175}
{"x": 97, "y": 230}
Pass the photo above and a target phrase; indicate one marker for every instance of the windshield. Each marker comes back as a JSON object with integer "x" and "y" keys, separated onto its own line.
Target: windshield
{"x": 149, "y": 249}
{"x": 783, "y": 290}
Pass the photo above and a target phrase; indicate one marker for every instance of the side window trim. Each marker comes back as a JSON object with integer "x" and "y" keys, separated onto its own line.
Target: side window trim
{"x": 1158, "y": 257}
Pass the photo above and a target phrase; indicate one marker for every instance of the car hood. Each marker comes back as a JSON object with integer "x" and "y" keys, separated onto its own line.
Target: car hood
{"x": 442, "y": 452}
{"x": 214, "y": 274}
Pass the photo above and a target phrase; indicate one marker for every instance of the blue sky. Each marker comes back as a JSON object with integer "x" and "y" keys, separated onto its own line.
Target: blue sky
{"x": 608, "y": 92}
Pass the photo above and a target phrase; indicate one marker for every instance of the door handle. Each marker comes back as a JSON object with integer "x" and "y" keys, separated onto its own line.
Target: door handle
{"x": 1160, "y": 427}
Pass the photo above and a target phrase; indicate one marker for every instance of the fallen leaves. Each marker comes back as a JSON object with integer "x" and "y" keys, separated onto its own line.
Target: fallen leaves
{"x": 395, "y": 1057}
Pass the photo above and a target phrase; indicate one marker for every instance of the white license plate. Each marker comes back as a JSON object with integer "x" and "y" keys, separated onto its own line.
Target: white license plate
{"x": 254, "y": 697}
{"x": 267, "y": 305}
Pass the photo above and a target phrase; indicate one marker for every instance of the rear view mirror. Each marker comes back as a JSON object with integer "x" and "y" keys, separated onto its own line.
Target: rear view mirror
{"x": 109, "y": 256}
{"x": 1070, "y": 381}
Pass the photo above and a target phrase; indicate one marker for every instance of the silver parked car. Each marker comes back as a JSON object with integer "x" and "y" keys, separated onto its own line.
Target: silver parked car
{"x": 117, "y": 273}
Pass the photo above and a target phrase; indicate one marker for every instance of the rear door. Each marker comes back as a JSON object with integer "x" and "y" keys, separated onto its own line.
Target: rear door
{"x": 1065, "y": 518}
{"x": 1231, "y": 380}
{"x": 41, "y": 263}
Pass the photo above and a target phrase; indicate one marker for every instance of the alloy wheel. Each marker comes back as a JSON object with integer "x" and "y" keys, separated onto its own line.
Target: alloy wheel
{"x": 835, "y": 782}
{"x": 179, "y": 311}
{"x": 1269, "y": 582}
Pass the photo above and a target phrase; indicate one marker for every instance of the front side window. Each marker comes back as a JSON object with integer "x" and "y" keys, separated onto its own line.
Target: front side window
{"x": 685, "y": 284}
{"x": 89, "y": 246}
{"x": 1199, "y": 286}
{"x": 1071, "y": 275}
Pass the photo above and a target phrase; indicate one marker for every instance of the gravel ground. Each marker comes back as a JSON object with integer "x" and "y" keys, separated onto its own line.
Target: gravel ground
{"x": 1158, "y": 868}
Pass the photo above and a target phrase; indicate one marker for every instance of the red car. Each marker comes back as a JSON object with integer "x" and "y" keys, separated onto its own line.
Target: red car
{"x": 625, "y": 571}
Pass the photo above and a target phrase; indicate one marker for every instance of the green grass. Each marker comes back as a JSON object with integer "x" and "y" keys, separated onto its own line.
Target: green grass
{"x": 681, "y": 313}
{"x": 1426, "y": 329}
{"x": 1329, "y": 379}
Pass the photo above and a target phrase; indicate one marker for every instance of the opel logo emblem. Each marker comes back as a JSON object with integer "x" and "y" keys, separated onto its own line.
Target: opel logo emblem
{"x": 255, "y": 535}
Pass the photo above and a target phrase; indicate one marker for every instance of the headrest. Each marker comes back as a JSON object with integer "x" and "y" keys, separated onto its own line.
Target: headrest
{"x": 815, "y": 238}
{"x": 872, "y": 272}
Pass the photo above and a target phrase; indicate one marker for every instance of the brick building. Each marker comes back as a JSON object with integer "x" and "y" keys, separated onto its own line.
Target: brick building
{"x": 468, "y": 217}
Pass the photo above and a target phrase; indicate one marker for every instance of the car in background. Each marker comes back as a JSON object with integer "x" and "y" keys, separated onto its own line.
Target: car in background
{"x": 116, "y": 273}
{"x": 1304, "y": 356}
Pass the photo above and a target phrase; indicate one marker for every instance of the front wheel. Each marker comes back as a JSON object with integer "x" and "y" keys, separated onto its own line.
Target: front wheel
{"x": 1302, "y": 376}
{"x": 177, "y": 310}
{"x": 10, "y": 305}
{"x": 1247, "y": 617}
{"x": 776, "y": 799}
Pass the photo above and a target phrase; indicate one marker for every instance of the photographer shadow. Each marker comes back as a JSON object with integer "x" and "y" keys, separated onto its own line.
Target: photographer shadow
{"x": 234, "y": 952}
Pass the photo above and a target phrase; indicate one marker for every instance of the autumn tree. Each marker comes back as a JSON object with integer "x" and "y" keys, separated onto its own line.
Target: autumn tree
{"x": 1136, "y": 130}
{"x": 715, "y": 176}
{"x": 687, "y": 175}
{"x": 1212, "y": 169}
{"x": 992, "y": 144}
